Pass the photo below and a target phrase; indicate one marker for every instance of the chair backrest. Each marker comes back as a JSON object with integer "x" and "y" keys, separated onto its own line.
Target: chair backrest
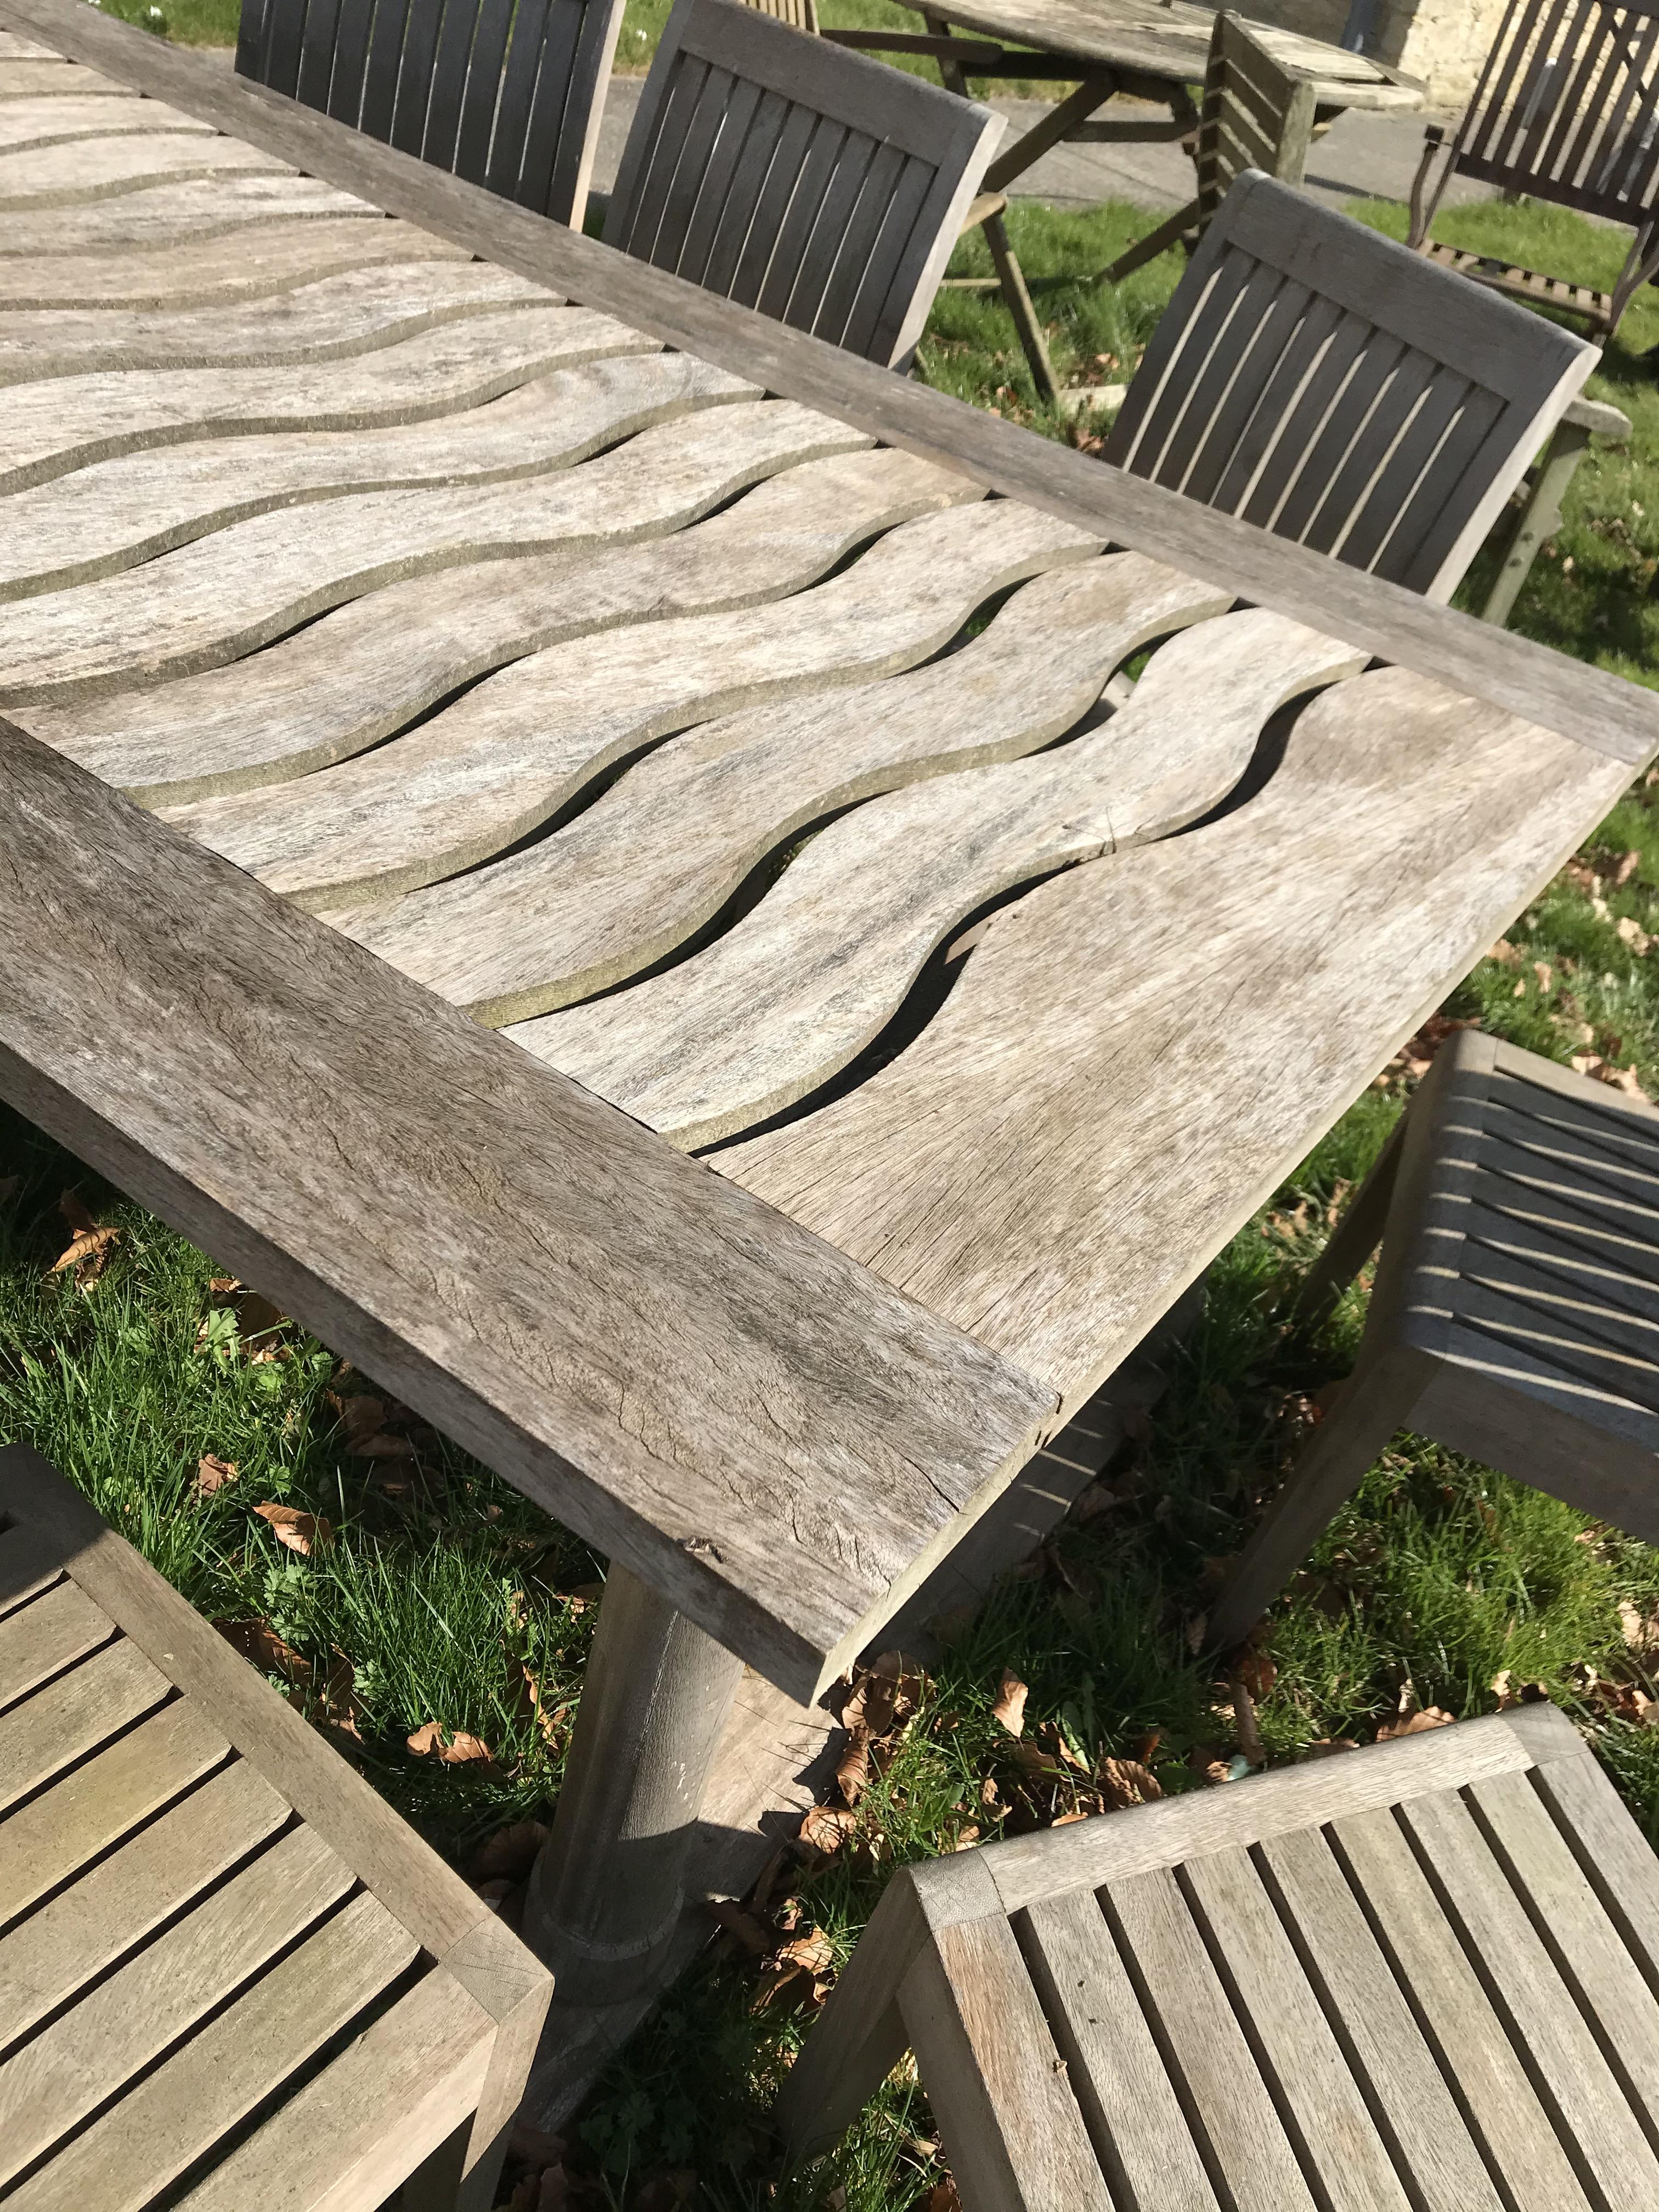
{"x": 802, "y": 13}
{"x": 1330, "y": 385}
{"x": 507, "y": 93}
{"x": 1257, "y": 114}
{"x": 1567, "y": 107}
{"x": 798, "y": 178}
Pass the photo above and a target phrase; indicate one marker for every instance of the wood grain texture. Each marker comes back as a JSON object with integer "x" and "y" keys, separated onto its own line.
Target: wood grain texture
{"x": 209, "y": 602}
{"x": 66, "y": 422}
{"x": 178, "y": 2112}
{"x": 214, "y": 271}
{"x": 26, "y": 123}
{"x": 46, "y": 1638}
{"x": 343, "y": 682}
{"x": 31, "y": 79}
{"x": 162, "y": 214}
{"x": 795, "y": 990}
{"x": 48, "y": 2087}
{"x": 27, "y": 1568}
{"x": 1420, "y": 825}
{"x": 74, "y": 1715}
{"x": 496, "y": 764}
{"x": 746, "y": 1419}
{"x": 119, "y": 512}
{"x": 328, "y": 318}
{"x": 95, "y": 1920}
{"x": 59, "y": 176}
{"x": 1603, "y": 713}
{"x": 624, "y": 882}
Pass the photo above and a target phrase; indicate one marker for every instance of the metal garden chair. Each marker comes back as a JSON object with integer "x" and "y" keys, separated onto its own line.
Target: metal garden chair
{"x": 792, "y": 176}
{"x": 1329, "y": 384}
{"x": 1566, "y": 110}
{"x": 506, "y": 96}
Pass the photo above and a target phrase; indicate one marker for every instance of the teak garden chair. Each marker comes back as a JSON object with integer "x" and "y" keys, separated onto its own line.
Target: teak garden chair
{"x": 795, "y": 177}
{"x": 1257, "y": 114}
{"x": 1516, "y": 1312}
{"x": 1420, "y": 1974}
{"x": 1326, "y": 384}
{"x": 507, "y": 93}
{"x": 231, "y": 1979}
{"x": 1566, "y": 110}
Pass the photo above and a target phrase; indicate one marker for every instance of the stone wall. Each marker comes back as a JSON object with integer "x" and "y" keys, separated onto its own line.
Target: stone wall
{"x": 1444, "y": 42}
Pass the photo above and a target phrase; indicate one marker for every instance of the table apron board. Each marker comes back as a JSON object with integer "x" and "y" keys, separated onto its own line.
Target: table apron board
{"x": 446, "y": 597}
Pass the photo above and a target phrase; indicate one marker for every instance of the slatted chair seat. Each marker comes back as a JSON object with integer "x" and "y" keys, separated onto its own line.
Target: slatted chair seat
{"x": 1323, "y": 382}
{"x": 231, "y": 1979}
{"x": 1566, "y": 110}
{"x": 785, "y": 172}
{"x": 1417, "y": 1976}
{"x": 1516, "y": 1312}
{"x": 508, "y": 93}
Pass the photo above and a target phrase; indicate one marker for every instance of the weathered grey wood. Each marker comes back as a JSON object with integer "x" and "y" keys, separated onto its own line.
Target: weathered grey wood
{"x": 208, "y": 602}
{"x": 845, "y": 240}
{"x": 46, "y": 1638}
{"x": 72, "y": 1938}
{"x": 105, "y": 2040}
{"x": 157, "y": 214}
{"x": 1409, "y": 476}
{"x": 749, "y": 1546}
{"x": 327, "y": 319}
{"x": 119, "y": 512}
{"x": 214, "y": 271}
{"x": 65, "y": 176}
{"x": 27, "y": 1567}
{"x": 74, "y": 1715}
{"x": 31, "y": 79}
{"x": 48, "y": 122}
{"x": 340, "y": 684}
{"x": 623, "y": 883}
{"x": 66, "y": 422}
{"x": 793, "y": 991}
{"x": 606, "y": 1892}
{"x": 1603, "y": 713}
{"x": 483, "y": 772}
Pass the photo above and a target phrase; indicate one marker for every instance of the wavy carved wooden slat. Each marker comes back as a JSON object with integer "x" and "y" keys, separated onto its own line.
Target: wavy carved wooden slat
{"x": 166, "y": 214}
{"x": 321, "y": 320}
{"x": 658, "y": 855}
{"x": 35, "y": 80}
{"x": 227, "y": 595}
{"x": 1413, "y": 816}
{"x": 100, "y": 168}
{"x": 50, "y": 122}
{"x": 517, "y": 747}
{"x": 342, "y": 684}
{"x": 213, "y": 271}
{"x": 117, "y": 513}
{"x": 68, "y": 422}
{"x": 804, "y": 981}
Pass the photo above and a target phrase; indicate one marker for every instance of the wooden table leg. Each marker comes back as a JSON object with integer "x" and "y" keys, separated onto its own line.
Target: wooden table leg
{"x": 606, "y": 1892}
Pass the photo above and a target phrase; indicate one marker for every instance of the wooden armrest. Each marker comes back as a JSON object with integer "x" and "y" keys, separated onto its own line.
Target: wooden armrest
{"x": 981, "y": 209}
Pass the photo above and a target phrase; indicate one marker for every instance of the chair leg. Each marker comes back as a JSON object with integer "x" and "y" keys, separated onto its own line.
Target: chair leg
{"x": 1011, "y": 278}
{"x": 1353, "y": 1240}
{"x": 1540, "y": 518}
{"x": 1148, "y": 248}
{"x": 1423, "y": 204}
{"x": 1376, "y": 1402}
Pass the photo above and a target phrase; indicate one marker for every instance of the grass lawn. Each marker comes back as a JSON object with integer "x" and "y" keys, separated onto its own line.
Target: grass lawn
{"x": 436, "y": 1593}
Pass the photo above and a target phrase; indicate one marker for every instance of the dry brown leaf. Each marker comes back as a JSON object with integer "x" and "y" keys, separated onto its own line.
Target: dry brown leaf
{"x": 212, "y": 1474}
{"x": 301, "y": 1532}
{"x": 1009, "y": 1710}
{"x": 810, "y": 1953}
{"x": 1627, "y": 867}
{"x": 509, "y": 1854}
{"x": 1504, "y": 954}
{"x": 1257, "y": 1672}
{"x": 1544, "y": 974}
{"x": 1125, "y": 1781}
{"x": 259, "y": 1642}
{"x": 738, "y": 1921}
{"x": 256, "y": 1323}
{"x": 1415, "y": 1721}
{"x": 527, "y": 1696}
{"x": 428, "y": 1741}
{"x": 966, "y": 1838}
{"x": 1323, "y": 1747}
{"x": 1092, "y": 1503}
{"x": 360, "y": 1416}
{"x": 884, "y": 1694}
{"x": 533, "y": 2146}
{"x": 90, "y": 1246}
{"x": 826, "y": 1827}
{"x": 1641, "y": 1635}
{"x": 853, "y": 1774}
{"x": 942, "y": 2196}
{"x": 1632, "y": 933}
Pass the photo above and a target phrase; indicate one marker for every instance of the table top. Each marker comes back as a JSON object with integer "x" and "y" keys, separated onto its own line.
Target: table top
{"x": 1171, "y": 38}
{"x": 518, "y": 619}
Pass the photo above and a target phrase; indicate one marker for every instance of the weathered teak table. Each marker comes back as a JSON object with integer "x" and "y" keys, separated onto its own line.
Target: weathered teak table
{"x": 360, "y": 537}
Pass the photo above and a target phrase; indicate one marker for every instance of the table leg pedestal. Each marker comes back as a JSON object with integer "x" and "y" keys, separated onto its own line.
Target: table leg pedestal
{"x": 606, "y": 1892}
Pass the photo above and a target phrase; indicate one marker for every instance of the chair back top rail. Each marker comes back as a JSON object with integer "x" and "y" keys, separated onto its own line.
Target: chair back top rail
{"x": 508, "y": 96}
{"x": 1329, "y": 385}
{"x": 794, "y": 176}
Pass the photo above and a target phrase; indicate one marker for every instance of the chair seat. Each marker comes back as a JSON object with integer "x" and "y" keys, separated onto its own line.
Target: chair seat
{"x": 1528, "y": 284}
{"x": 227, "y": 1972}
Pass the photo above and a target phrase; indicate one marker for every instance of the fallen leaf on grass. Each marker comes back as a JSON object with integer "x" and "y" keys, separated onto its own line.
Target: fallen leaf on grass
{"x": 533, "y": 1707}
{"x": 1125, "y": 1781}
{"x": 533, "y": 2146}
{"x": 257, "y": 1641}
{"x": 1627, "y": 867}
{"x": 212, "y": 1474}
{"x": 90, "y": 1246}
{"x": 966, "y": 1838}
{"x": 853, "y": 1774}
{"x": 826, "y": 1827}
{"x": 1417, "y": 1054}
{"x": 1325, "y": 1747}
{"x": 942, "y": 2196}
{"x": 1410, "y": 1719}
{"x": 1632, "y": 934}
{"x": 1641, "y": 1635}
{"x": 1092, "y": 1503}
{"x": 508, "y": 1855}
{"x": 884, "y": 1694}
{"x": 450, "y": 1747}
{"x": 301, "y": 1532}
{"x": 1544, "y": 974}
{"x": 255, "y": 1320}
{"x": 1009, "y": 1710}
{"x": 1619, "y": 1078}
{"x": 1257, "y": 1672}
{"x": 737, "y": 1920}
{"x": 1504, "y": 954}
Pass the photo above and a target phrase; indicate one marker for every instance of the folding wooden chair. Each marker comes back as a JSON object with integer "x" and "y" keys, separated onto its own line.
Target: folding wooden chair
{"x": 231, "y": 1979}
{"x": 1257, "y": 114}
{"x": 795, "y": 177}
{"x": 1329, "y": 384}
{"x": 507, "y": 93}
{"x": 1515, "y": 1313}
{"x": 1566, "y": 110}
{"x": 1417, "y": 1975}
